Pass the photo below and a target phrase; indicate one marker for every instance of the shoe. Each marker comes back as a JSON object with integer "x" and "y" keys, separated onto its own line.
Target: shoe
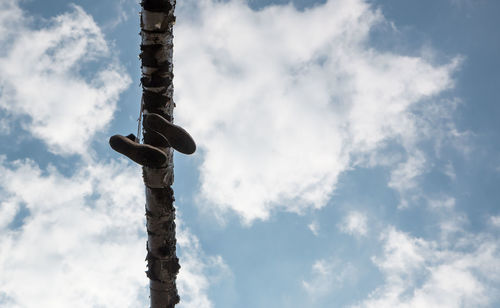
{"x": 155, "y": 139}
{"x": 178, "y": 137}
{"x": 143, "y": 154}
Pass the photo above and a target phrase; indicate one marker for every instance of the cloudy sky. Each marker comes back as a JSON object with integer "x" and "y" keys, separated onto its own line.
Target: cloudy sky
{"x": 348, "y": 154}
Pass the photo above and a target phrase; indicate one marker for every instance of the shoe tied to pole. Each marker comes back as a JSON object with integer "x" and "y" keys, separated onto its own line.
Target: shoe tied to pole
{"x": 177, "y": 136}
{"x": 143, "y": 154}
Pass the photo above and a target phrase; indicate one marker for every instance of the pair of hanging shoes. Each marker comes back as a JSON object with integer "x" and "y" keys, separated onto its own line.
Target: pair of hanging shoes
{"x": 161, "y": 133}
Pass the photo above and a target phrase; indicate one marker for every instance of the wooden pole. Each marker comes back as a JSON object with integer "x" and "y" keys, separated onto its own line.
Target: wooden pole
{"x": 157, "y": 19}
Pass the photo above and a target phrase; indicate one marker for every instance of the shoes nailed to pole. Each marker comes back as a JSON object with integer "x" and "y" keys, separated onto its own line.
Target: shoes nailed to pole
{"x": 143, "y": 154}
{"x": 178, "y": 137}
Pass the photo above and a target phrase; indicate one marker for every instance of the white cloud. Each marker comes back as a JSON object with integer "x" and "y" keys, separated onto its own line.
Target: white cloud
{"x": 314, "y": 227}
{"x": 452, "y": 227}
{"x": 85, "y": 234}
{"x": 495, "y": 221}
{"x": 444, "y": 202}
{"x": 437, "y": 123}
{"x": 8, "y": 210}
{"x": 452, "y": 224}
{"x": 326, "y": 276}
{"x": 194, "y": 279}
{"x": 123, "y": 9}
{"x": 422, "y": 273}
{"x": 354, "y": 223}
{"x": 5, "y": 126}
{"x": 43, "y": 75}
{"x": 11, "y": 16}
{"x": 449, "y": 170}
{"x": 82, "y": 244}
{"x": 404, "y": 178}
{"x": 286, "y": 99}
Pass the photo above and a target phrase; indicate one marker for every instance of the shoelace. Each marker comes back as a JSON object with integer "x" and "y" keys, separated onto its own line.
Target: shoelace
{"x": 139, "y": 122}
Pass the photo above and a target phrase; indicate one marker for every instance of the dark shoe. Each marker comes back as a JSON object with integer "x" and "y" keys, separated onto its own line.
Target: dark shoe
{"x": 142, "y": 154}
{"x": 133, "y": 138}
{"x": 155, "y": 139}
{"x": 178, "y": 138}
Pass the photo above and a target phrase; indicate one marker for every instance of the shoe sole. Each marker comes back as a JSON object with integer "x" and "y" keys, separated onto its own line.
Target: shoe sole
{"x": 142, "y": 154}
{"x": 178, "y": 137}
{"x": 155, "y": 139}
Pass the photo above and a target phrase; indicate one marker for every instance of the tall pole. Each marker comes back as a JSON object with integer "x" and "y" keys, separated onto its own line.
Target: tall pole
{"x": 157, "y": 19}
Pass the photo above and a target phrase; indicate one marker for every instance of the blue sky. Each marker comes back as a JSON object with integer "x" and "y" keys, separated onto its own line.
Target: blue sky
{"x": 348, "y": 154}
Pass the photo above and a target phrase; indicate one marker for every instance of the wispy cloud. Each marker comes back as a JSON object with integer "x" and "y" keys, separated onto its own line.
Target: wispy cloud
{"x": 426, "y": 273}
{"x": 286, "y": 99}
{"x": 198, "y": 271}
{"x": 314, "y": 227}
{"x": 326, "y": 275}
{"x": 495, "y": 221}
{"x": 354, "y": 223}
{"x": 124, "y": 9}
{"x": 404, "y": 178}
{"x": 443, "y": 202}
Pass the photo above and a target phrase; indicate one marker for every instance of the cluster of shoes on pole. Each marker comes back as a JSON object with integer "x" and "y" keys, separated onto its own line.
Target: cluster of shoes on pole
{"x": 161, "y": 134}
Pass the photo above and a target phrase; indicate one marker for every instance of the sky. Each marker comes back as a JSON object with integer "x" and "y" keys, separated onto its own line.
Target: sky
{"x": 348, "y": 154}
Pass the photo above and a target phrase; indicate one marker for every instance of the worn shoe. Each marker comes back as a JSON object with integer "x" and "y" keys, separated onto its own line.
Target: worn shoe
{"x": 178, "y": 137}
{"x": 155, "y": 139}
{"x": 142, "y": 154}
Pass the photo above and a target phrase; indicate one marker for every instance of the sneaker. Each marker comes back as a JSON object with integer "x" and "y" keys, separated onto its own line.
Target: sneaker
{"x": 178, "y": 138}
{"x": 155, "y": 139}
{"x": 142, "y": 154}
